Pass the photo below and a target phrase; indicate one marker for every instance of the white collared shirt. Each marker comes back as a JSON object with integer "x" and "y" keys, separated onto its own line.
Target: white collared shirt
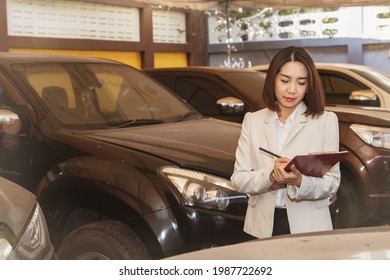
{"x": 282, "y": 131}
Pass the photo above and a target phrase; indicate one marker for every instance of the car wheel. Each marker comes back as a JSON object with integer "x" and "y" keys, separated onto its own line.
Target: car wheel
{"x": 102, "y": 240}
{"x": 347, "y": 206}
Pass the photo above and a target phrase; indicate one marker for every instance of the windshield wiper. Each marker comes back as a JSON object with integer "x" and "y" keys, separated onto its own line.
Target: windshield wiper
{"x": 136, "y": 122}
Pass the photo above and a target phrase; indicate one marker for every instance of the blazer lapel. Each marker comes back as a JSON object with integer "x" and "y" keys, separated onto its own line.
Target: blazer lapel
{"x": 299, "y": 123}
{"x": 270, "y": 131}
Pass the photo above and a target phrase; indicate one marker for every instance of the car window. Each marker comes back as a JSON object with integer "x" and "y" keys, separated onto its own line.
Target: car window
{"x": 82, "y": 94}
{"x": 203, "y": 90}
{"x": 201, "y": 93}
{"x": 252, "y": 83}
{"x": 338, "y": 87}
{"x": 55, "y": 75}
{"x": 375, "y": 76}
{"x": 117, "y": 95}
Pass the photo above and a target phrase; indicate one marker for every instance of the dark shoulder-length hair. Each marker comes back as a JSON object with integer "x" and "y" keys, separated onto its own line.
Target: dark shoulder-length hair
{"x": 314, "y": 98}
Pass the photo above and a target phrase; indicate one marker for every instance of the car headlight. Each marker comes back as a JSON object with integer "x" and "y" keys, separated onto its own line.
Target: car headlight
{"x": 35, "y": 242}
{"x": 202, "y": 189}
{"x": 372, "y": 135}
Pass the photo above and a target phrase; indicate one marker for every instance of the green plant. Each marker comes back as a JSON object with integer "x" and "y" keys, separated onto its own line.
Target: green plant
{"x": 286, "y": 12}
{"x": 242, "y": 18}
{"x": 306, "y": 10}
{"x": 330, "y": 20}
{"x": 333, "y": 9}
{"x": 383, "y": 15}
{"x": 329, "y": 32}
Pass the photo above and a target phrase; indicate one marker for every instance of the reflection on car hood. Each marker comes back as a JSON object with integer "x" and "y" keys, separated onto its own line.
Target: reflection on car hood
{"x": 16, "y": 204}
{"x": 348, "y": 244}
{"x": 187, "y": 143}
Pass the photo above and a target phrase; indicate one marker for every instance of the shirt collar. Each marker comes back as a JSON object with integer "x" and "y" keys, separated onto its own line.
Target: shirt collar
{"x": 291, "y": 118}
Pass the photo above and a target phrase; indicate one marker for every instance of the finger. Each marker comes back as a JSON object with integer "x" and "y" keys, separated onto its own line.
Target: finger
{"x": 281, "y": 161}
{"x": 280, "y": 174}
{"x": 276, "y": 175}
{"x": 295, "y": 170}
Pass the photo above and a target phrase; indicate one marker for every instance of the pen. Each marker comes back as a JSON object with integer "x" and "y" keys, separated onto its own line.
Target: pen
{"x": 269, "y": 152}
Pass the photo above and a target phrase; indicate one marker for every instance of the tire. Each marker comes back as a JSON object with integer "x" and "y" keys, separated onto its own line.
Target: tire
{"x": 347, "y": 206}
{"x": 102, "y": 240}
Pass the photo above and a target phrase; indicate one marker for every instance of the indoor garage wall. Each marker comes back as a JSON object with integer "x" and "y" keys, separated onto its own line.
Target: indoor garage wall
{"x": 135, "y": 33}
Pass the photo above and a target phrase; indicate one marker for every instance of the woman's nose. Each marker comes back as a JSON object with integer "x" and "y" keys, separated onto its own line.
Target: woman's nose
{"x": 291, "y": 88}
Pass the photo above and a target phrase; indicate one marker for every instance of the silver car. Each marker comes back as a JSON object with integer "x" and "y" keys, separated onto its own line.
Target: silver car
{"x": 23, "y": 230}
{"x": 368, "y": 243}
{"x": 351, "y": 84}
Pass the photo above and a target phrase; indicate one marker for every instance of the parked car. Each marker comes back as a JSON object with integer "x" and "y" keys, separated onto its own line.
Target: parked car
{"x": 23, "y": 231}
{"x": 121, "y": 167}
{"x": 216, "y": 92}
{"x": 368, "y": 243}
{"x": 364, "y": 193}
{"x": 351, "y": 84}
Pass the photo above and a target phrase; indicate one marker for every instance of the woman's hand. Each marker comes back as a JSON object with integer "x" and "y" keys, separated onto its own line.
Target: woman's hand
{"x": 281, "y": 176}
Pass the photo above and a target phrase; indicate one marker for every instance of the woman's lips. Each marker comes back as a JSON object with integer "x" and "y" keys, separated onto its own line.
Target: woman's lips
{"x": 289, "y": 99}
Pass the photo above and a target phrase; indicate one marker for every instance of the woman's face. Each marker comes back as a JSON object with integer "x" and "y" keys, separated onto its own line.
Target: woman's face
{"x": 290, "y": 85}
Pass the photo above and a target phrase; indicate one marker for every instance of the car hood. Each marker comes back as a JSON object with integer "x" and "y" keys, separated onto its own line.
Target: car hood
{"x": 204, "y": 144}
{"x": 363, "y": 115}
{"x": 371, "y": 243}
{"x": 16, "y": 205}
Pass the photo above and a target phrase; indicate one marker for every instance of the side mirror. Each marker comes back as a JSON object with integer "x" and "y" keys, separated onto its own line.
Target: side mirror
{"x": 231, "y": 105}
{"x": 10, "y": 122}
{"x": 364, "y": 98}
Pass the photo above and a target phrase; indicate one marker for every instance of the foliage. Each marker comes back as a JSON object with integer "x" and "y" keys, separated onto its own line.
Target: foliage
{"x": 330, "y": 20}
{"x": 243, "y": 19}
{"x": 383, "y": 15}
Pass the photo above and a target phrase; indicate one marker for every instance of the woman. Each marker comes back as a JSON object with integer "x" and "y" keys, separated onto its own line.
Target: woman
{"x": 293, "y": 123}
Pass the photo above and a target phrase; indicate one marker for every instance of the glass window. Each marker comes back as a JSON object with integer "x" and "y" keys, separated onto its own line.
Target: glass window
{"x": 339, "y": 87}
{"x": 101, "y": 94}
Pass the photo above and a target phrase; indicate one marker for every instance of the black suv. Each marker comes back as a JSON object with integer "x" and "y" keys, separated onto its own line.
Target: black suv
{"x": 122, "y": 167}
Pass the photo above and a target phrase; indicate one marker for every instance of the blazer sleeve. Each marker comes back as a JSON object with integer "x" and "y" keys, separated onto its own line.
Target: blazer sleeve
{"x": 250, "y": 176}
{"x": 313, "y": 188}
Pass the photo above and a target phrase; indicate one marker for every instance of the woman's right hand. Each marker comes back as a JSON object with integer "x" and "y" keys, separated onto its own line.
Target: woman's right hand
{"x": 281, "y": 176}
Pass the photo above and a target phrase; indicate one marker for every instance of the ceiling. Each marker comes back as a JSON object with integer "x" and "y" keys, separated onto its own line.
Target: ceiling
{"x": 213, "y": 4}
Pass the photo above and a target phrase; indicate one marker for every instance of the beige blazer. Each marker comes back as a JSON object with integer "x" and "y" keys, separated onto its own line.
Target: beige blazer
{"x": 307, "y": 205}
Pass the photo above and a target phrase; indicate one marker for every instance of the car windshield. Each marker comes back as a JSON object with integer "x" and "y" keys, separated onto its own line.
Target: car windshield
{"x": 99, "y": 95}
{"x": 251, "y": 83}
{"x": 377, "y": 77}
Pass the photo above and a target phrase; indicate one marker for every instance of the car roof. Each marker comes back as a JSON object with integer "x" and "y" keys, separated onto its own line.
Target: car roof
{"x": 10, "y": 58}
{"x": 204, "y": 69}
{"x": 320, "y": 65}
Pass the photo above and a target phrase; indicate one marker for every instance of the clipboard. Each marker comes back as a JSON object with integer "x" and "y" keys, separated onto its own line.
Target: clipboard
{"x": 316, "y": 164}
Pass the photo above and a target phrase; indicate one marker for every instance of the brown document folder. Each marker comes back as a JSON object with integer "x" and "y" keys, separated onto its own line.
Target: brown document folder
{"x": 316, "y": 164}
